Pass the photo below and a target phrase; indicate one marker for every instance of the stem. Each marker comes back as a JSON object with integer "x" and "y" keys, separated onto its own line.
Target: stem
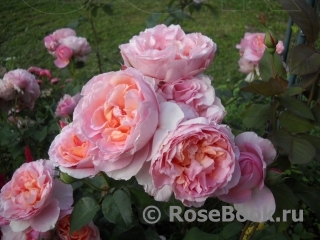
{"x": 94, "y": 187}
{"x": 273, "y": 66}
{"x": 96, "y": 43}
{"x": 246, "y": 226}
{"x": 105, "y": 177}
{"x": 255, "y": 226}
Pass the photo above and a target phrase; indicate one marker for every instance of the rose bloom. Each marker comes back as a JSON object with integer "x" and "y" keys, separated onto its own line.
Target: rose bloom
{"x": 25, "y": 84}
{"x": 79, "y": 46}
{"x": 119, "y": 113}
{"x": 196, "y": 158}
{"x": 53, "y": 40}
{"x": 196, "y": 92}
{"x": 168, "y": 54}
{"x": 66, "y": 105}
{"x": 252, "y": 46}
{"x": 7, "y": 91}
{"x": 88, "y": 232}
{"x": 250, "y": 193}
{"x": 33, "y": 198}
{"x": 28, "y": 234}
{"x": 73, "y": 153}
{"x": 63, "y": 54}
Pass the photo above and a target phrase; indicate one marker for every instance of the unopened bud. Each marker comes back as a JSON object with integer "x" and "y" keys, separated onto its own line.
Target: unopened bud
{"x": 67, "y": 178}
{"x": 270, "y": 41}
{"x": 274, "y": 176}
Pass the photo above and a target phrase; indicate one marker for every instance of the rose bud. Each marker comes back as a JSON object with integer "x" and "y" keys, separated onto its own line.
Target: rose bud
{"x": 274, "y": 176}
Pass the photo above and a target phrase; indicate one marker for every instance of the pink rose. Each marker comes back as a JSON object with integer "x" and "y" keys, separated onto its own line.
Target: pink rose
{"x": 63, "y": 54}
{"x": 51, "y": 44}
{"x": 168, "y": 54}
{"x": 279, "y": 47}
{"x": 79, "y": 46}
{"x": 54, "y": 80}
{"x": 7, "y": 91}
{"x": 195, "y": 159}
{"x": 196, "y": 92}
{"x": 246, "y": 66}
{"x": 250, "y": 194}
{"x": 53, "y": 41}
{"x": 3, "y": 221}
{"x": 62, "y": 33}
{"x": 25, "y": 84}
{"x": 66, "y": 105}
{"x": 119, "y": 113}
{"x": 33, "y": 198}
{"x": 88, "y": 232}
{"x": 28, "y": 234}
{"x": 72, "y": 152}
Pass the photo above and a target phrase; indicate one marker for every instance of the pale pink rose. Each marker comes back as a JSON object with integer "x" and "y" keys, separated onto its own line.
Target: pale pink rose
{"x": 73, "y": 153}
{"x": 3, "y": 221}
{"x": 28, "y": 234}
{"x": 33, "y": 198}
{"x": 51, "y": 44}
{"x": 246, "y": 66}
{"x": 88, "y": 232}
{"x": 119, "y": 113}
{"x": 7, "y": 91}
{"x": 66, "y": 105}
{"x": 168, "y": 54}
{"x": 196, "y": 159}
{"x": 79, "y": 46}
{"x": 197, "y": 92}
{"x": 250, "y": 194}
{"x": 25, "y": 84}
{"x": 62, "y": 33}
{"x": 279, "y": 47}
{"x": 63, "y": 54}
{"x": 252, "y": 46}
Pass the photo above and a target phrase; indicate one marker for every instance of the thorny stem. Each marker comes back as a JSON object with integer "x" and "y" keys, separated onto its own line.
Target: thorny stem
{"x": 246, "y": 226}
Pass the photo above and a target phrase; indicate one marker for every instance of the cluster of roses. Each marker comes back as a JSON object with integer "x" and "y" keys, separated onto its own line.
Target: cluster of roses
{"x": 64, "y": 45}
{"x": 36, "y": 205}
{"x": 251, "y": 49}
{"x": 158, "y": 119}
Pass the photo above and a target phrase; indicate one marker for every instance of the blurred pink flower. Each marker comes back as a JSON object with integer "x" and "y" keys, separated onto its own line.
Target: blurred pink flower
{"x": 63, "y": 54}
{"x": 66, "y": 105}
{"x": 79, "y": 46}
{"x": 28, "y": 234}
{"x": 54, "y": 80}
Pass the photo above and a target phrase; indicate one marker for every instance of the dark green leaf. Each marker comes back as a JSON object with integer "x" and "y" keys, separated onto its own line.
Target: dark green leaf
{"x": 304, "y": 16}
{"x": 298, "y": 228}
{"x": 196, "y": 233}
{"x": 296, "y": 106}
{"x": 315, "y": 141}
{"x": 231, "y": 229}
{"x": 268, "y": 233}
{"x": 316, "y": 113}
{"x": 307, "y": 235}
{"x": 293, "y": 91}
{"x": 285, "y": 200}
{"x": 117, "y": 209}
{"x": 304, "y": 60}
{"x": 294, "y": 123}
{"x": 265, "y": 66}
{"x": 256, "y": 115}
{"x": 40, "y": 134}
{"x": 94, "y": 11}
{"x": 84, "y": 211}
{"x": 107, "y": 8}
{"x": 137, "y": 232}
{"x": 140, "y": 198}
{"x": 299, "y": 150}
{"x": 274, "y": 86}
{"x": 153, "y": 20}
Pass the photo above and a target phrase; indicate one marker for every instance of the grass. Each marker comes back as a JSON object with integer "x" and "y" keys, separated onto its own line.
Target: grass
{"x": 24, "y": 24}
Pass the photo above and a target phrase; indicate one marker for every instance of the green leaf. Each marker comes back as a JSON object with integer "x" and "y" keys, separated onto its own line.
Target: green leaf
{"x": 299, "y": 150}
{"x": 316, "y": 113}
{"x": 265, "y": 66}
{"x": 94, "y": 11}
{"x": 296, "y": 106}
{"x": 293, "y": 91}
{"x": 231, "y": 229}
{"x": 84, "y": 211}
{"x": 107, "y": 8}
{"x": 304, "y": 60}
{"x": 304, "y": 16}
{"x": 140, "y": 198}
{"x": 315, "y": 141}
{"x": 307, "y": 235}
{"x": 256, "y": 115}
{"x": 294, "y": 123}
{"x": 153, "y": 20}
{"x": 285, "y": 200}
{"x": 298, "y": 228}
{"x": 274, "y": 86}
{"x": 268, "y": 233}
{"x": 117, "y": 209}
{"x": 196, "y": 233}
{"x": 40, "y": 134}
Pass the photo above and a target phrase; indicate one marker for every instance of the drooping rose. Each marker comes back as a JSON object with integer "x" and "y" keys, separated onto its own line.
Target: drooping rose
{"x": 79, "y": 46}
{"x": 73, "y": 153}
{"x": 25, "y": 84}
{"x": 63, "y": 54}
{"x": 88, "y": 232}
{"x": 119, "y": 113}
{"x": 168, "y": 54}
{"x": 66, "y": 105}
{"x": 28, "y": 234}
{"x": 196, "y": 158}
{"x": 33, "y": 198}
{"x": 250, "y": 194}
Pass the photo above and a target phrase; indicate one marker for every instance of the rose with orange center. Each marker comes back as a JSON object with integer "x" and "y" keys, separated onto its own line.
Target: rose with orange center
{"x": 88, "y": 232}
{"x": 119, "y": 114}
{"x": 73, "y": 153}
{"x": 194, "y": 159}
{"x": 33, "y": 198}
